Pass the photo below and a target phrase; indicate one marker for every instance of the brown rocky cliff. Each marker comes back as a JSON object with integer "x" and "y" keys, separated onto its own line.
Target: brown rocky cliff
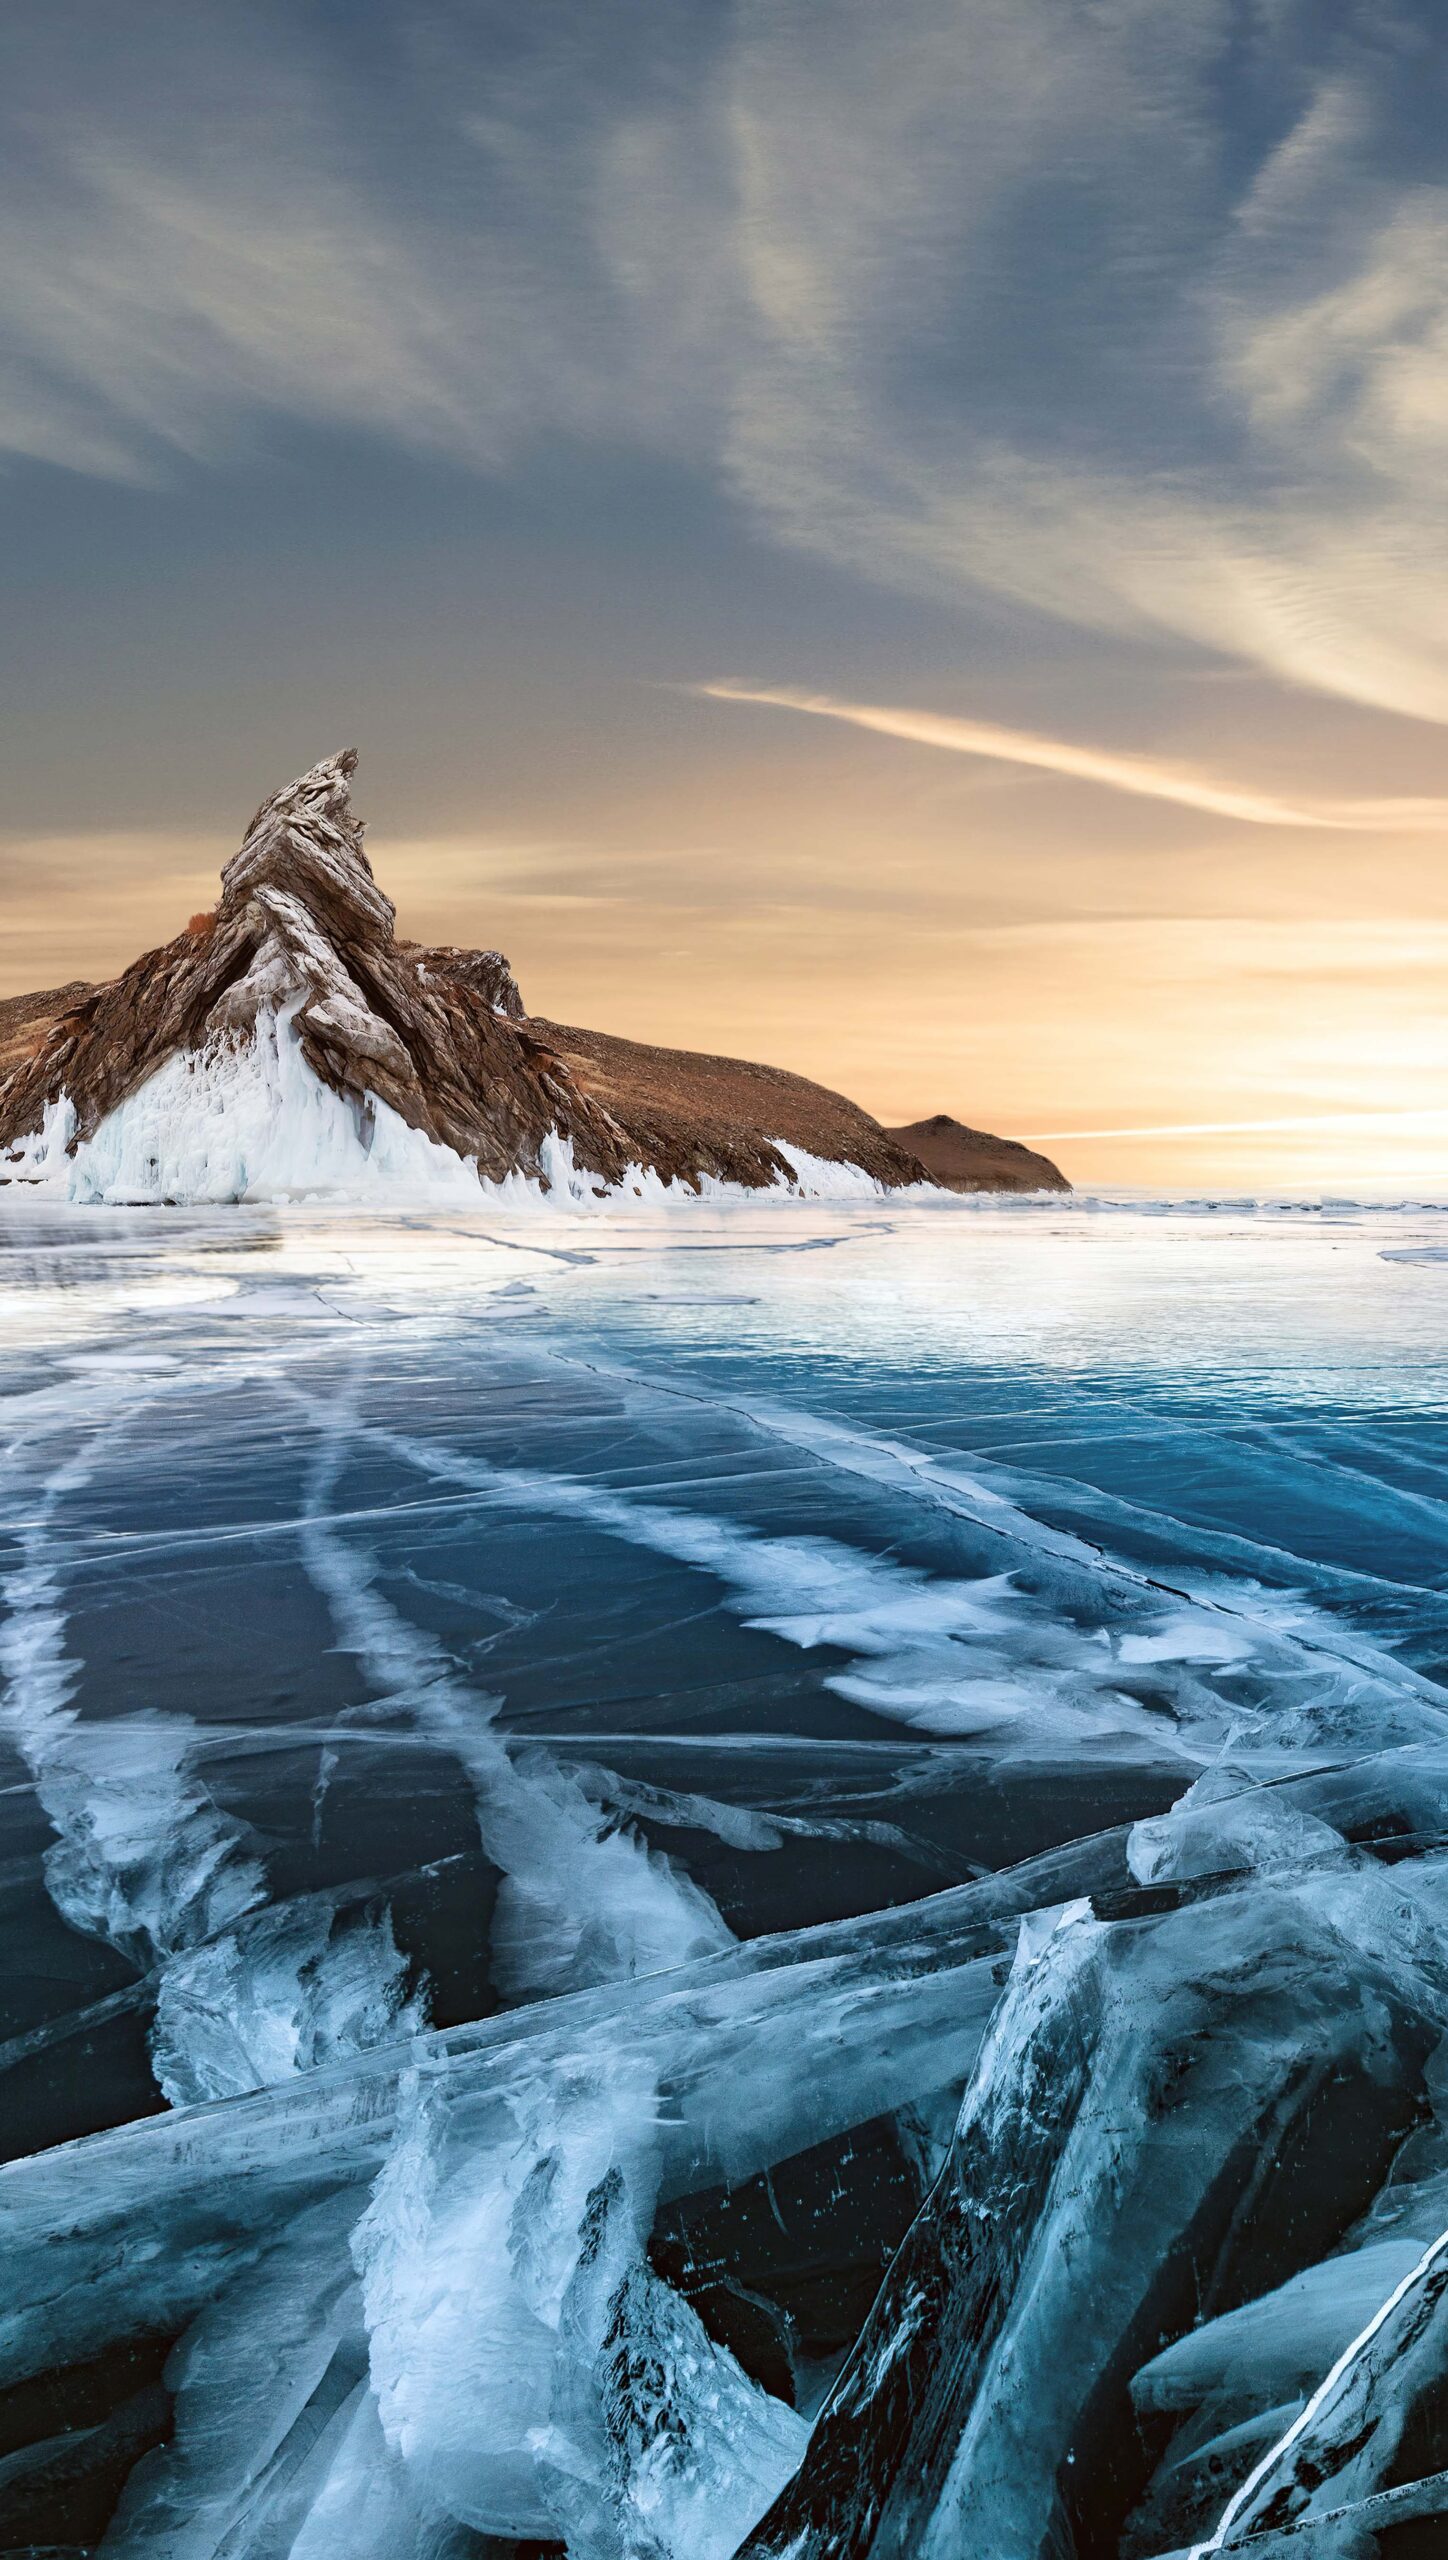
{"x": 302, "y": 930}
{"x": 25, "y": 1021}
{"x": 721, "y": 1113}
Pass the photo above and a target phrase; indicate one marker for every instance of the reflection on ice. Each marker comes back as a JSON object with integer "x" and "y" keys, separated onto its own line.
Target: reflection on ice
{"x": 765, "y": 1884}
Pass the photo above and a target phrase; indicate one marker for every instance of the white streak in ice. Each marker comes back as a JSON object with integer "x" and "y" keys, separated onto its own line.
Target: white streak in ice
{"x": 1037, "y": 1658}
{"x": 1242, "y": 2498}
{"x": 580, "y": 1902}
{"x": 144, "y": 1858}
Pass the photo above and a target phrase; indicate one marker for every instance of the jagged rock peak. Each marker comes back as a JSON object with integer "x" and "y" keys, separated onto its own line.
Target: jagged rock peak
{"x": 322, "y": 792}
{"x": 301, "y": 945}
{"x": 306, "y": 841}
{"x": 301, "y": 895}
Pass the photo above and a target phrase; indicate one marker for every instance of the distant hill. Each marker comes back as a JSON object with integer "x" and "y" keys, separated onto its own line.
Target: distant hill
{"x": 962, "y": 1159}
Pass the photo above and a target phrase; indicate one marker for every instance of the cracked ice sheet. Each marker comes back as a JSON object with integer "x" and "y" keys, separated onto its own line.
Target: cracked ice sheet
{"x": 523, "y": 1402}
{"x": 1052, "y": 1649}
{"x": 227, "y": 2006}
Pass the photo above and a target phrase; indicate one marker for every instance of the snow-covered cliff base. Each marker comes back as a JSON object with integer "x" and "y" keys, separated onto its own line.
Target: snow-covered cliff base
{"x": 245, "y": 1119}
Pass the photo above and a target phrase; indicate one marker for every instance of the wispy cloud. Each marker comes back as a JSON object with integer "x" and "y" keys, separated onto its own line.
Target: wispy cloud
{"x": 211, "y": 226}
{"x": 1096, "y": 310}
{"x": 1146, "y": 777}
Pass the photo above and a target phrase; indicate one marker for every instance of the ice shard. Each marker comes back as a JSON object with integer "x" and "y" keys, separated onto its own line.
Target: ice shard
{"x": 1116, "y": 2148}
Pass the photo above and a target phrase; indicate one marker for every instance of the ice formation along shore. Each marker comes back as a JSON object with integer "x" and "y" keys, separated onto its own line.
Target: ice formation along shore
{"x": 247, "y": 1120}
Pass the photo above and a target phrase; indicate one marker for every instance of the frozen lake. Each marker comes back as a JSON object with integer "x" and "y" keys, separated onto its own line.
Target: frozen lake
{"x": 689, "y": 1880}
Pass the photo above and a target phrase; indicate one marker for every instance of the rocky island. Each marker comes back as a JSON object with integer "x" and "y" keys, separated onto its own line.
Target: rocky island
{"x": 290, "y": 1043}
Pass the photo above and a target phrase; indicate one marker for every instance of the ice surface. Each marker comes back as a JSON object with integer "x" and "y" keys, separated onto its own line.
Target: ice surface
{"x": 989, "y": 1657}
{"x": 582, "y": 1900}
{"x": 768, "y": 1880}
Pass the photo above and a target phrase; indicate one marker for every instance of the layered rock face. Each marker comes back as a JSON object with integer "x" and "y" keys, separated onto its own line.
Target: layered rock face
{"x": 301, "y": 949}
{"x": 25, "y": 1020}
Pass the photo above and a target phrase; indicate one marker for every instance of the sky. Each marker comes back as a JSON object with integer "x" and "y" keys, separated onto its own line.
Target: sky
{"x": 906, "y": 542}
